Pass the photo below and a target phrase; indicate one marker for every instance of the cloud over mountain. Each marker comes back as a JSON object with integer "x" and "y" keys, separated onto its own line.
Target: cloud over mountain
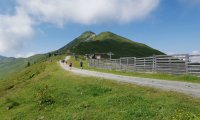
{"x": 15, "y": 29}
{"x": 88, "y": 11}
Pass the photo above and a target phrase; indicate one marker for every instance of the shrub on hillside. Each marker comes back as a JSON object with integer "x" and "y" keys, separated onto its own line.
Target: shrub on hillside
{"x": 44, "y": 98}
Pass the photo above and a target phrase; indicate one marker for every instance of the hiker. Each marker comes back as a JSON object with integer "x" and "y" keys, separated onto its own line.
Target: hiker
{"x": 81, "y": 64}
{"x": 70, "y": 65}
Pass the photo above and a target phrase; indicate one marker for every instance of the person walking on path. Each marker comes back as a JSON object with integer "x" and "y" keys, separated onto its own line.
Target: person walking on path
{"x": 81, "y": 64}
{"x": 70, "y": 65}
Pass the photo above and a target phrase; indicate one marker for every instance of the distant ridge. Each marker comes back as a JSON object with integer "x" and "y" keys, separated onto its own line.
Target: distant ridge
{"x": 10, "y": 65}
{"x": 2, "y": 57}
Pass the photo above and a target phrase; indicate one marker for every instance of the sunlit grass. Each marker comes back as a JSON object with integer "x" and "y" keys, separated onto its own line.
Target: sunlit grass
{"x": 60, "y": 95}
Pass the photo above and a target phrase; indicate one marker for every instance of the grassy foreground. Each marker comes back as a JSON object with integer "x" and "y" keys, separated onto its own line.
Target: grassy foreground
{"x": 161, "y": 76}
{"x": 44, "y": 91}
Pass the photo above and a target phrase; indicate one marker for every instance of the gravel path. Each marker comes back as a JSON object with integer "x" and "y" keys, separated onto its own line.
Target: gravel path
{"x": 192, "y": 89}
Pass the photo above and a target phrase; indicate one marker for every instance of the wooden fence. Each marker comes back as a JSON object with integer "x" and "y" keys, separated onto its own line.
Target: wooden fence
{"x": 170, "y": 64}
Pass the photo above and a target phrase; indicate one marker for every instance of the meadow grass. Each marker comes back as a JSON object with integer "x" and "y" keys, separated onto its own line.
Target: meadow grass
{"x": 160, "y": 76}
{"x": 53, "y": 93}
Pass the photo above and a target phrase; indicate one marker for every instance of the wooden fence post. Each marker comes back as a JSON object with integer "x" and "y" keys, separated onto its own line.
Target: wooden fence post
{"x": 144, "y": 64}
{"x": 120, "y": 63}
{"x": 170, "y": 65}
{"x": 154, "y": 63}
{"x": 89, "y": 63}
{"x": 135, "y": 63}
{"x": 126, "y": 64}
{"x": 98, "y": 62}
{"x": 187, "y": 58}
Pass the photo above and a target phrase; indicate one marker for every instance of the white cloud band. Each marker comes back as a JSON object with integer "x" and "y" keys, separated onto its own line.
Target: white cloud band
{"x": 15, "y": 29}
{"x": 88, "y": 11}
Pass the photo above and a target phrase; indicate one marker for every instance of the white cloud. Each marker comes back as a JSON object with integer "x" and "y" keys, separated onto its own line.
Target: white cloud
{"x": 25, "y": 55}
{"x": 195, "y": 58}
{"x": 88, "y": 11}
{"x": 14, "y": 30}
{"x": 17, "y": 28}
{"x": 195, "y": 52}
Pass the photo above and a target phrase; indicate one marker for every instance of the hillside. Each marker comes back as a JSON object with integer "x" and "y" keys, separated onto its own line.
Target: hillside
{"x": 89, "y": 43}
{"x": 2, "y": 58}
{"x": 44, "y": 91}
{"x": 10, "y": 65}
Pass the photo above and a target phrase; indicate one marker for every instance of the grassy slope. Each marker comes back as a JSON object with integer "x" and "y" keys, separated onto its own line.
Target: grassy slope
{"x": 10, "y": 65}
{"x": 183, "y": 78}
{"x": 44, "y": 91}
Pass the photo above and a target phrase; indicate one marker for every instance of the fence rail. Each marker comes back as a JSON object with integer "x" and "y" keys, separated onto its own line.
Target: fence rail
{"x": 170, "y": 64}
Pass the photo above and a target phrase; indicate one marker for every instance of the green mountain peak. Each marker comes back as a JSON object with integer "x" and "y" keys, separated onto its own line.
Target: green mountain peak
{"x": 88, "y": 33}
{"x": 105, "y": 35}
{"x": 86, "y": 36}
{"x": 89, "y": 42}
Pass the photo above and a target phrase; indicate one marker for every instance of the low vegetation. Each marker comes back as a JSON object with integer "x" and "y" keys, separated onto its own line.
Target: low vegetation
{"x": 44, "y": 91}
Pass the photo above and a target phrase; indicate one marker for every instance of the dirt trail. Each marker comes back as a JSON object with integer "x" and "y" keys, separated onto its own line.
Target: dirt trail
{"x": 192, "y": 89}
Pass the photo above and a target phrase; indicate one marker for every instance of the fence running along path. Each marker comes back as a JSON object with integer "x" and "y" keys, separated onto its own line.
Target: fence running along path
{"x": 171, "y": 64}
{"x": 192, "y": 89}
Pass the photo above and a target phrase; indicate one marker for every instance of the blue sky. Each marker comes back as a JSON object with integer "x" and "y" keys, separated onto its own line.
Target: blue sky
{"x": 172, "y": 26}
